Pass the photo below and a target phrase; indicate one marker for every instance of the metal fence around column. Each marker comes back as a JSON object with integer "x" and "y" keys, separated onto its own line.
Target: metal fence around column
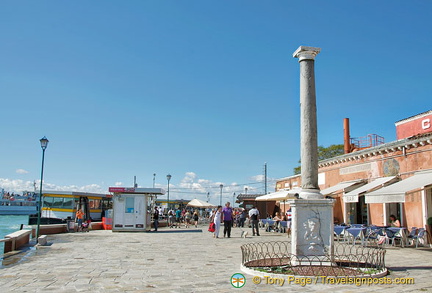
{"x": 346, "y": 260}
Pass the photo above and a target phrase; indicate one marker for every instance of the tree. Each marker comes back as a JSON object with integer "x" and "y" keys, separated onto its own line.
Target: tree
{"x": 325, "y": 153}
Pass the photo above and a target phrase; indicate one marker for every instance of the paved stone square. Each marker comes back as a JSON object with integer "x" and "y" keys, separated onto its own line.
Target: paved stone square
{"x": 173, "y": 260}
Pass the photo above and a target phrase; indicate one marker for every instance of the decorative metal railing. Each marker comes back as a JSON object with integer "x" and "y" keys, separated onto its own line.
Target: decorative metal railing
{"x": 346, "y": 260}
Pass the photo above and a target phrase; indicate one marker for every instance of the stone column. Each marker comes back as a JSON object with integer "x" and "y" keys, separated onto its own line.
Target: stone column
{"x": 308, "y": 123}
{"x": 312, "y": 226}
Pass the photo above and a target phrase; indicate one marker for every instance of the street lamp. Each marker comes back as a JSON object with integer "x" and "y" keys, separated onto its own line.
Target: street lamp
{"x": 168, "y": 178}
{"x": 233, "y": 199}
{"x": 44, "y": 143}
{"x": 154, "y": 179}
{"x": 221, "y": 186}
{"x": 208, "y": 196}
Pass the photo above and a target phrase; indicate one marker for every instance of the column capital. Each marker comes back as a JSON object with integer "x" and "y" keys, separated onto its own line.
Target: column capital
{"x": 306, "y": 53}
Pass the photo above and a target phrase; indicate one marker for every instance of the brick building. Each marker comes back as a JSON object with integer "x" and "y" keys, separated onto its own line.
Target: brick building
{"x": 371, "y": 183}
{"x": 265, "y": 208}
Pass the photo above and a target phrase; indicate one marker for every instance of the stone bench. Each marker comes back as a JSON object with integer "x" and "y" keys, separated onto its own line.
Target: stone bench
{"x": 16, "y": 239}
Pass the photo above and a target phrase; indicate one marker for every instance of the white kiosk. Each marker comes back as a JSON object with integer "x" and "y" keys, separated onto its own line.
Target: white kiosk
{"x": 131, "y": 208}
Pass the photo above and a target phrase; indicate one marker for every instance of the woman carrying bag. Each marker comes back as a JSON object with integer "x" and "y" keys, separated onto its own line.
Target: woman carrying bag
{"x": 217, "y": 218}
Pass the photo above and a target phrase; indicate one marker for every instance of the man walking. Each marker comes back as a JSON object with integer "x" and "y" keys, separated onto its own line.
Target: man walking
{"x": 178, "y": 217}
{"x": 156, "y": 219}
{"x": 227, "y": 214}
{"x": 254, "y": 217}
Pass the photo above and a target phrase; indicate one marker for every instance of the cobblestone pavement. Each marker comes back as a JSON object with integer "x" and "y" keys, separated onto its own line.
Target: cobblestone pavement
{"x": 173, "y": 260}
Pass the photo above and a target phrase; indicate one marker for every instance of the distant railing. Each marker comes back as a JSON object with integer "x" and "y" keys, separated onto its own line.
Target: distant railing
{"x": 368, "y": 141}
{"x": 8, "y": 202}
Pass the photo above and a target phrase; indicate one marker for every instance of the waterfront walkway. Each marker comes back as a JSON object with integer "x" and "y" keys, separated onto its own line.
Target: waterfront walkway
{"x": 173, "y": 260}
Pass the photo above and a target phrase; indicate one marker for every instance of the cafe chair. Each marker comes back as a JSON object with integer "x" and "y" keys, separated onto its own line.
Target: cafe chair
{"x": 420, "y": 237}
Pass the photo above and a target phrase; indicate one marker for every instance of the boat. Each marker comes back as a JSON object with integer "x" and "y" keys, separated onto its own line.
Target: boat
{"x": 25, "y": 204}
{"x": 61, "y": 206}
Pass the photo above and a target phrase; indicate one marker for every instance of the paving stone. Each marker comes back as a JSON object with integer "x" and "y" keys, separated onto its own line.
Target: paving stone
{"x": 103, "y": 261}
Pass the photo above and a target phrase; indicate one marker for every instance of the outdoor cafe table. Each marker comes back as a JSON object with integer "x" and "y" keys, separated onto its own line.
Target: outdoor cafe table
{"x": 357, "y": 233}
{"x": 339, "y": 230}
{"x": 399, "y": 232}
{"x": 269, "y": 222}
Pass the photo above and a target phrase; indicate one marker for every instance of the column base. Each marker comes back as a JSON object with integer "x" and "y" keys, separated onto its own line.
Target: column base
{"x": 312, "y": 227}
{"x": 311, "y": 194}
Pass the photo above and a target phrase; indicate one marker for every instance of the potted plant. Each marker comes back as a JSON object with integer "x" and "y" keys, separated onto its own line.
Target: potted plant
{"x": 429, "y": 229}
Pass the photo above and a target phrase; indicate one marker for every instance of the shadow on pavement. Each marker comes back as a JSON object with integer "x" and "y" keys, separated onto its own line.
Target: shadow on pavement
{"x": 400, "y": 269}
{"x": 178, "y": 231}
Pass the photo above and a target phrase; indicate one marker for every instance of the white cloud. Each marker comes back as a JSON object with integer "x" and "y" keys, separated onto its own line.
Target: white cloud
{"x": 191, "y": 186}
{"x": 21, "y": 171}
{"x": 16, "y": 185}
{"x": 190, "y": 175}
{"x": 257, "y": 178}
{"x": 92, "y": 188}
{"x": 204, "y": 181}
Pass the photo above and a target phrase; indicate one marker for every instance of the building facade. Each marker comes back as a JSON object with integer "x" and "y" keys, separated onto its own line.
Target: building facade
{"x": 363, "y": 182}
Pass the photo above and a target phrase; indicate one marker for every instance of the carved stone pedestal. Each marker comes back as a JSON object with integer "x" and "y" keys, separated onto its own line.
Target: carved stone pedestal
{"x": 312, "y": 228}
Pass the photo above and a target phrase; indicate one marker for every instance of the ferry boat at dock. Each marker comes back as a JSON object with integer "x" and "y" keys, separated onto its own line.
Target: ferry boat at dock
{"x": 61, "y": 206}
{"x": 14, "y": 204}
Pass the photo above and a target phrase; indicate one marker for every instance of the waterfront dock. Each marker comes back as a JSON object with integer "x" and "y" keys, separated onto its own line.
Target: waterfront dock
{"x": 173, "y": 260}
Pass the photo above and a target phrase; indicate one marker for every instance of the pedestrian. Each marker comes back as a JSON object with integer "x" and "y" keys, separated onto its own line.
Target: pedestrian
{"x": 171, "y": 218}
{"x": 227, "y": 217}
{"x": 217, "y": 219}
{"x": 254, "y": 217}
{"x": 187, "y": 218}
{"x": 178, "y": 217}
{"x": 243, "y": 216}
{"x": 288, "y": 215}
{"x": 79, "y": 218}
{"x": 195, "y": 218}
{"x": 277, "y": 218}
{"x": 156, "y": 219}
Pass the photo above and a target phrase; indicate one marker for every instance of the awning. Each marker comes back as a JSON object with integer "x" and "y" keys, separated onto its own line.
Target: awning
{"x": 352, "y": 196}
{"x": 397, "y": 191}
{"x": 199, "y": 204}
{"x": 279, "y": 195}
{"x": 340, "y": 186}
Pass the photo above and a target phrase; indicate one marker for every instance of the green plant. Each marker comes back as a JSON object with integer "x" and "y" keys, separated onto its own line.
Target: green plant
{"x": 429, "y": 221}
{"x": 369, "y": 271}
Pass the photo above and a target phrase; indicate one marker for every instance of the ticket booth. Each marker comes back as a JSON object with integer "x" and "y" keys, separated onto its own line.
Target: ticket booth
{"x": 132, "y": 208}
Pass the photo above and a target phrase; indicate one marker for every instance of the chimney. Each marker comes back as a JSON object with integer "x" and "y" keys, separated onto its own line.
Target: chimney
{"x": 347, "y": 144}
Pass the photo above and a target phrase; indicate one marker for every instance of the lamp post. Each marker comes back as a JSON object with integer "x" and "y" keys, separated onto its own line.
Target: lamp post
{"x": 44, "y": 143}
{"x": 233, "y": 199}
{"x": 154, "y": 179}
{"x": 168, "y": 178}
{"x": 221, "y": 186}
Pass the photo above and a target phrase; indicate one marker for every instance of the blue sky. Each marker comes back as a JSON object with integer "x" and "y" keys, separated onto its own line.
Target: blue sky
{"x": 207, "y": 91}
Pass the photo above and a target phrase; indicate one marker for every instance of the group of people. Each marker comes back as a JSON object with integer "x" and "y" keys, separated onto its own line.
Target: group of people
{"x": 83, "y": 225}
{"x": 227, "y": 215}
{"x": 177, "y": 217}
{"x": 25, "y": 199}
